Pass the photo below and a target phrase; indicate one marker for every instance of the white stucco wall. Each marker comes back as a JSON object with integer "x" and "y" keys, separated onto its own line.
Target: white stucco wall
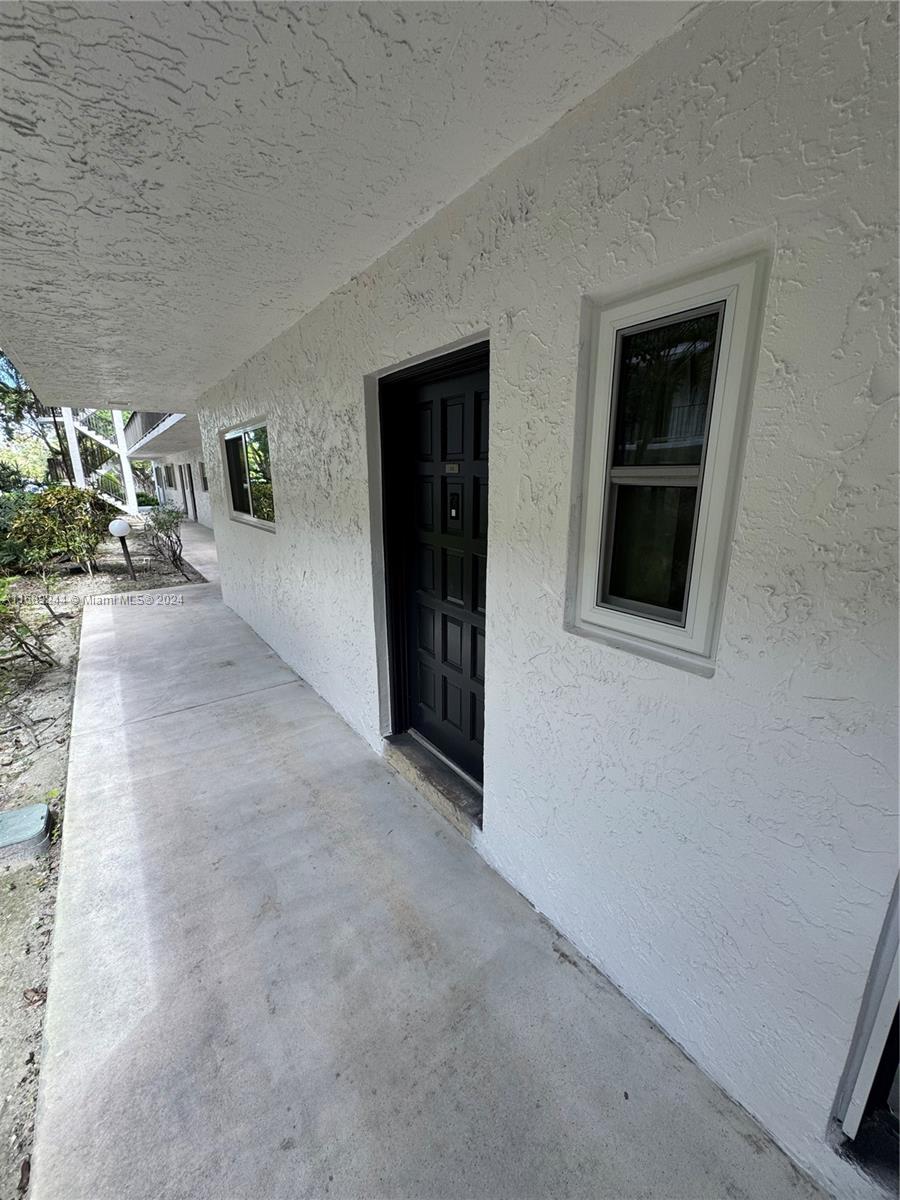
{"x": 175, "y": 496}
{"x": 722, "y": 848}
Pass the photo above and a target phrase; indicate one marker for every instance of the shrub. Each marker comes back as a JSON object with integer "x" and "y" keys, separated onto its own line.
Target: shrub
{"x": 11, "y": 478}
{"x": 164, "y": 531}
{"x": 62, "y": 522}
{"x": 11, "y": 549}
{"x": 145, "y": 500}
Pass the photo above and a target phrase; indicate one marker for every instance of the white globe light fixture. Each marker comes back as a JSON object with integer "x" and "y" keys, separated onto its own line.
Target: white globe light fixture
{"x": 120, "y": 528}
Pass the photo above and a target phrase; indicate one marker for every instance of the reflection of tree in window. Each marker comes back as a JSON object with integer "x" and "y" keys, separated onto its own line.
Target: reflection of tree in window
{"x": 249, "y": 473}
{"x": 259, "y": 473}
{"x": 664, "y": 387}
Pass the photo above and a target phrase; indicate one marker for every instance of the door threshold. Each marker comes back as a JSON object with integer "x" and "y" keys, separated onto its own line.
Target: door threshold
{"x": 457, "y": 770}
{"x": 444, "y": 786}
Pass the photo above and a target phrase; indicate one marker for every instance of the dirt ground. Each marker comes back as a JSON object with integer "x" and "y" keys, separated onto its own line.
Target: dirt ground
{"x": 35, "y": 717}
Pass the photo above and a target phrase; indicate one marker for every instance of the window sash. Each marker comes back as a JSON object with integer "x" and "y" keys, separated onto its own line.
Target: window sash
{"x": 239, "y": 476}
{"x": 239, "y": 485}
{"x": 259, "y": 472}
{"x": 690, "y": 644}
{"x": 606, "y": 596}
{"x": 655, "y": 475}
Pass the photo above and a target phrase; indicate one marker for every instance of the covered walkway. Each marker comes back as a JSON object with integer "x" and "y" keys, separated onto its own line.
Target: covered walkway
{"x": 277, "y": 973}
{"x": 200, "y": 549}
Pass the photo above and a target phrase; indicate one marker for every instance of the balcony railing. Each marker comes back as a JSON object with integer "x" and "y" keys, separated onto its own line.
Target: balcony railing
{"x": 140, "y": 424}
{"x": 94, "y": 455}
{"x": 97, "y": 420}
{"x": 109, "y": 481}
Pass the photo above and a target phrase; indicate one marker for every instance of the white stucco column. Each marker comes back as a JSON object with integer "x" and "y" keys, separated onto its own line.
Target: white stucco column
{"x": 130, "y": 495}
{"x": 74, "y": 452}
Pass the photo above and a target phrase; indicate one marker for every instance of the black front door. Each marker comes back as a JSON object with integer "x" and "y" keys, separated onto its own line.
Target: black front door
{"x": 436, "y": 468}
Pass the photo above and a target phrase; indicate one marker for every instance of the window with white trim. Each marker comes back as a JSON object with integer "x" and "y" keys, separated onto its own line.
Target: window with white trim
{"x": 250, "y": 474}
{"x": 170, "y": 475}
{"x": 665, "y": 426}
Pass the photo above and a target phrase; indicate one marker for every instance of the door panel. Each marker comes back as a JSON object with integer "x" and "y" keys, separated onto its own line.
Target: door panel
{"x": 445, "y": 477}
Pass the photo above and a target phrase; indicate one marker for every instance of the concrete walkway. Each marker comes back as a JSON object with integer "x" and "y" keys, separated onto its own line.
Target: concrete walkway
{"x": 277, "y": 973}
{"x": 200, "y": 549}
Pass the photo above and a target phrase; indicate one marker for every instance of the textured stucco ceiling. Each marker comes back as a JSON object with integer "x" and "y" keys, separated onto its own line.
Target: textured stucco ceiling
{"x": 181, "y": 182}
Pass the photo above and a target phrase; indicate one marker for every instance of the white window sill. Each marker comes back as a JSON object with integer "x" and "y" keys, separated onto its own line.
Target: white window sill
{"x": 245, "y": 519}
{"x": 684, "y": 660}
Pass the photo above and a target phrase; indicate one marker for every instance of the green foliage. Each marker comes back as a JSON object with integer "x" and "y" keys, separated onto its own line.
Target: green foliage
{"x": 146, "y": 500}
{"x": 10, "y": 504}
{"x": 21, "y": 413}
{"x": 111, "y": 484}
{"x": 11, "y": 478}
{"x": 163, "y": 527}
{"x": 26, "y": 454}
{"x": 142, "y": 474}
{"x": 263, "y": 503}
{"x": 17, "y": 400}
{"x": 101, "y": 421}
{"x": 62, "y": 522}
{"x": 11, "y": 549}
{"x": 259, "y": 472}
{"x": 166, "y": 519}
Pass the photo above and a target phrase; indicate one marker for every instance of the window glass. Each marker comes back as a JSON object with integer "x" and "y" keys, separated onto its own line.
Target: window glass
{"x": 204, "y": 482}
{"x": 664, "y": 380}
{"x": 249, "y": 473}
{"x": 257, "y": 443}
{"x": 651, "y": 545}
{"x": 664, "y": 385}
{"x": 237, "y": 474}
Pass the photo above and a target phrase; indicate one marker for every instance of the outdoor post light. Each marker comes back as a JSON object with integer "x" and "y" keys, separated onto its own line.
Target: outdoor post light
{"x": 120, "y": 528}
